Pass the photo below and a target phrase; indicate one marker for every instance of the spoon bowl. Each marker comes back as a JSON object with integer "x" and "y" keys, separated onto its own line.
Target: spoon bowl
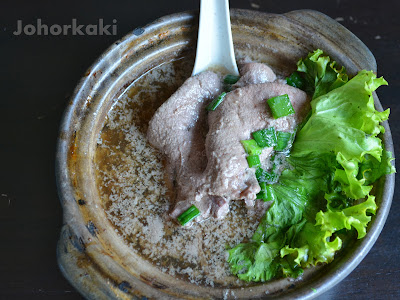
{"x": 214, "y": 43}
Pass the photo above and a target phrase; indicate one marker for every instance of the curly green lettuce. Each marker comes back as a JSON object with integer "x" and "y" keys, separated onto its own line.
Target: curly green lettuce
{"x": 336, "y": 157}
{"x": 321, "y": 74}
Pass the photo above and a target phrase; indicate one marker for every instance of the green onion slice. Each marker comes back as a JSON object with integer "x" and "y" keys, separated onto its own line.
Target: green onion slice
{"x": 276, "y": 162}
{"x": 295, "y": 80}
{"x": 265, "y": 137}
{"x": 262, "y": 194}
{"x": 253, "y": 161}
{"x": 284, "y": 141}
{"x": 251, "y": 147}
{"x": 280, "y": 106}
{"x": 231, "y": 79}
{"x": 217, "y": 101}
{"x": 188, "y": 215}
{"x": 266, "y": 193}
{"x": 227, "y": 88}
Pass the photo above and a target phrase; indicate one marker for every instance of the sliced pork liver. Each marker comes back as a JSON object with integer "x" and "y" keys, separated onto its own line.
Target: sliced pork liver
{"x": 178, "y": 129}
{"x": 253, "y": 73}
{"x": 204, "y": 153}
{"x": 243, "y": 111}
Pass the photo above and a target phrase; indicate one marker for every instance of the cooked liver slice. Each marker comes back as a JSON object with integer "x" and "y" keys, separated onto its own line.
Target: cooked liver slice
{"x": 204, "y": 153}
{"x": 179, "y": 127}
{"x": 253, "y": 73}
{"x": 243, "y": 111}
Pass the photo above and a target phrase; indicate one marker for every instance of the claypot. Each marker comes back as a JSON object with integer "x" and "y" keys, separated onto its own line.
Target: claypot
{"x": 91, "y": 255}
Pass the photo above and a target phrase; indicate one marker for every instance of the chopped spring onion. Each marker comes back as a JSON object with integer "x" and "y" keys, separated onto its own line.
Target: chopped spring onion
{"x": 270, "y": 193}
{"x": 251, "y": 147}
{"x": 284, "y": 140}
{"x": 274, "y": 163}
{"x": 253, "y": 161}
{"x": 188, "y": 215}
{"x": 266, "y": 192}
{"x": 276, "y": 160}
{"x": 265, "y": 137}
{"x": 231, "y": 79}
{"x": 280, "y": 106}
{"x": 227, "y": 88}
{"x": 217, "y": 101}
{"x": 262, "y": 196}
{"x": 264, "y": 176}
{"x": 295, "y": 80}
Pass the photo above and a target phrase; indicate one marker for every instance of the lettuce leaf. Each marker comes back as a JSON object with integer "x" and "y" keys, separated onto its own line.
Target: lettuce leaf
{"x": 313, "y": 246}
{"x": 372, "y": 169}
{"x": 335, "y": 159}
{"x": 321, "y": 74}
{"x": 354, "y": 216}
{"x": 342, "y": 121}
{"x": 352, "y": 187}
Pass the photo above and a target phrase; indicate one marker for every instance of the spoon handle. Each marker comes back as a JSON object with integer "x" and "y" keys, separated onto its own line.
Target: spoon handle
{"x": 214, "y": 43}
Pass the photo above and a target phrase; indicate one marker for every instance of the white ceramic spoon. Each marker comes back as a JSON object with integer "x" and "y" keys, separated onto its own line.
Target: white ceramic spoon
{"x": 214, "y": 43}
